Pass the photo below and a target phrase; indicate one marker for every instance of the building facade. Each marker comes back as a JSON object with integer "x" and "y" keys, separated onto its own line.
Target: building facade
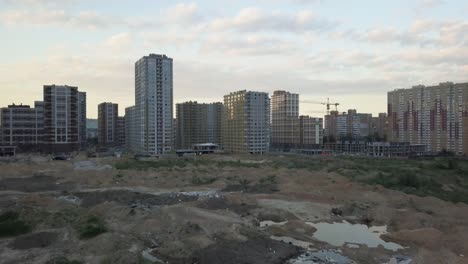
{"x": 121, "y": 134}
{"x": 246, "y": 122}
{"x": 198, "y": 123}
{"x": 379, "y": 127}
{"x": 435, "y": 116}
{"x": 350, "y": 126}
{"x": 310, "y": 132}
{"x": 331, "y": 130}
{"x": 83, "y": 135}
{"x": 61, "y": 119}
{"x": 108, "y": 114}
{"x": 131, "y": 128}
{"x": 153, "y": 104}
{"x": 22, "y": 126}
{"x": 284, "y": 120}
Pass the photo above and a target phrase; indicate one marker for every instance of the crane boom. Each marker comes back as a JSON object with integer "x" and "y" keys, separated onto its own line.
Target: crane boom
{"x": 327, "y": 103}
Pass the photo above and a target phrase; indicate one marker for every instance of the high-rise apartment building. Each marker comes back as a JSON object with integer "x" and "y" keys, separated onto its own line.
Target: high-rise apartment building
{"x": 121, "y": 135}
{"x": 310, "y": 132}
{"x": 435, "y": 116}
{"x": 153, "y": 104}
{"x": 331, "y": 129}
{"x": 379, "y": 127}
{"x": 131, "y": 129}
{"x": 284, "y": 120}
{"x": 22, "y": 126}
{"x": 108, "y": 114}
{"x": 350, "y": 126}
{"x": 246, "y": 122}
{"x": 82, "y": 133}
{"x": 61, "y": 118}
{"x": 198, "y": 123}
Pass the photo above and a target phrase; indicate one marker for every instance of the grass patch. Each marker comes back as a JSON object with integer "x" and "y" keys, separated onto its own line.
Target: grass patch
{"x": 203, "y": 180}
{"x": 264, "y": 185}
{"x": 422, "y": 177}
{"x": 12, "y": 225}
{"x": 91, "y": 227}
{"x": 170, "y": 164}
{"x": 63, "y": 260}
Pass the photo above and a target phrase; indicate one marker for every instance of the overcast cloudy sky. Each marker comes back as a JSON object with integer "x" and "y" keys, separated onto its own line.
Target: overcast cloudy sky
{"x": 352, "y": 51}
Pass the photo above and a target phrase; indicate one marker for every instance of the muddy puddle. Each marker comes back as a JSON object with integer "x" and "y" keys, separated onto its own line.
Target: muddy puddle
{"x": 345, "y": 233}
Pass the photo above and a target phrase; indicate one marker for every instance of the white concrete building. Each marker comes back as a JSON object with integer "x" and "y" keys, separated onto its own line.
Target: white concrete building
{"x": 154, "y": 104}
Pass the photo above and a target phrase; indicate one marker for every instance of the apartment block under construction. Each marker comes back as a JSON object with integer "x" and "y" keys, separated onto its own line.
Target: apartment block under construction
{"x": 284, "y": 120}
{"x": 310, "y": 132}
{"x": 198, "y": 123}
{"x": 436, "y": 116}
{"x": 350, "y": 126}
{"x": 246, "y": 122}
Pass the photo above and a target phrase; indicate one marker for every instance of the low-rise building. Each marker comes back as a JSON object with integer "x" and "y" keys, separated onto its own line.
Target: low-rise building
{"x": 22, "y": 126}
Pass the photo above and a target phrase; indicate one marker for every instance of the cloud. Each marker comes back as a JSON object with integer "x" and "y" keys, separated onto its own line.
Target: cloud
{"x": 255, "y": 20}
{"x": 426, "y": 4}
{"x": 47, "y": 17}
{"x": 183, "y": 14}
{"x": 252, "y": 45}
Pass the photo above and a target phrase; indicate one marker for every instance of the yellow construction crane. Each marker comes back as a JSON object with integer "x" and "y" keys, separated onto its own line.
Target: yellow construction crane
{"x": 328, "y": 104}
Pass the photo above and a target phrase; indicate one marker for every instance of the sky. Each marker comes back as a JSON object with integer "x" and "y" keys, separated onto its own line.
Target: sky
{"x": 351, "y": 51}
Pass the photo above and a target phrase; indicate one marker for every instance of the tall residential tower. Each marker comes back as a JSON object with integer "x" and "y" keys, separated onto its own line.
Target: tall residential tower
{"x": 284, "y": 120}
{"x": 153, "y": 105}
{"x": 63, "y": 112}
{"x": 108, "y": 114}
{"x": 435, "y": 116}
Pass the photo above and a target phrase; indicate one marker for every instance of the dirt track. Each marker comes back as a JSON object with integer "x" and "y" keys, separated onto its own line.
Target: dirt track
{"x": 174, "y": 218}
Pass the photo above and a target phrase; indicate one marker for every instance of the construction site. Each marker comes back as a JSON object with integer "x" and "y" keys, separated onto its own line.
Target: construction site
{"x": 233, "y": 209}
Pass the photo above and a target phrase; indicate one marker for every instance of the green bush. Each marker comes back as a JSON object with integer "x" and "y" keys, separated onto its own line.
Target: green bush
{"x": 12, "y": 225}
{"x": 91, "y": 227}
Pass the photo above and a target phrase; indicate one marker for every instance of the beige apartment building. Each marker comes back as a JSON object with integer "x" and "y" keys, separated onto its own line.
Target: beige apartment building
{"x": 284, "y": 120}
{"x": 198, "y": 123}
{"x": 435, "y": 116}
{"x": 246, "y": 122}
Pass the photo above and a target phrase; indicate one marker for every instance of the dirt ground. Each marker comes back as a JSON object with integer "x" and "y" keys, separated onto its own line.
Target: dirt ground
{"x": 205, "y": 213}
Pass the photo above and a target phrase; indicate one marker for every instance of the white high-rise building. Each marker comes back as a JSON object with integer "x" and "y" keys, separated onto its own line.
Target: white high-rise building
{"x": 153, "y": 104}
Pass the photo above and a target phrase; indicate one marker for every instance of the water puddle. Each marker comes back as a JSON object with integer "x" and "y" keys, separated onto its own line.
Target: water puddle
{"x": 339, "y": 234}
